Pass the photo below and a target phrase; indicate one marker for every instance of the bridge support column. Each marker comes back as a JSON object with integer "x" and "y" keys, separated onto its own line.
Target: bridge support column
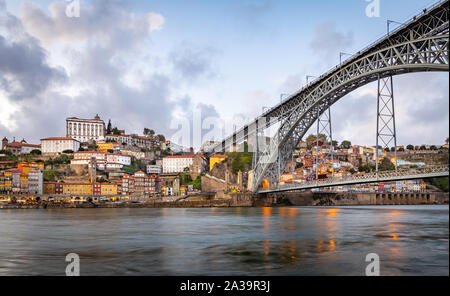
{"x": 324, "y": 127}
{"x": 386, "y": 129}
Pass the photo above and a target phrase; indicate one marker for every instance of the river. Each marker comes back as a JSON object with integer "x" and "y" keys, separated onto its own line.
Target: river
{"x": 409, "y": 240}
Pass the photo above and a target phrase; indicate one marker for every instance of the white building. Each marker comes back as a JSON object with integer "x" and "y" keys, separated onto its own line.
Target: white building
{"x": 153, "y": 169}
{"x": 35, "y": 182}
{"x": 177, "y": 164}
{"x": 84, "y": 130}
{"x": 102, "y": 160}
{"x": 58, "y": 145}
{"x": 118, "y": 158}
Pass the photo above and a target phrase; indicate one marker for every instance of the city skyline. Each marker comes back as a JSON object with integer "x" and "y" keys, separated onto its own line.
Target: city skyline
{"x": 156, "y": 68}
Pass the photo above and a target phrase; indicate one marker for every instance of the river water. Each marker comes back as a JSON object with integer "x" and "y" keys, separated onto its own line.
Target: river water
{"x": 409, "y": 240}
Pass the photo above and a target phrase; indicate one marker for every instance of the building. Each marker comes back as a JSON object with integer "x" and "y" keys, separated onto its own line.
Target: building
{"x": 84, "y": 130}
{"x": 208, "y": 146}
{"x": 19, "y": 148}
{"x": 215, "y": 159}
{"x": 127, "y": 184}
{"x": 26, "y": 167}
{"x": 177, "y": 164}
{"x": 77, "y": 188}
{"x": 103, "y": 161}
{"x": 35, "y": 182}
{"x": 108, "y": 189}
{"x": 154, "y": 169}
{"x": 58, "y": 145}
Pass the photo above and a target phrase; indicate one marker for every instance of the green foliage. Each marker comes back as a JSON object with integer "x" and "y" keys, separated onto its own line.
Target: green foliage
{"x": 441, "y": 183}
{"x": 240, "y": 161}
{"x": 311, "y": 140}
{"x": 410, "y": 147}
{"x": 346, "y": 144}
{"x": 136, "y": 165}
{"x": 50, "y": 175}
{"x": 36, "y": 152}
{"x": 367, "y": 168}
{"x": 68, "y": 151}
{"x": 6, "y": 152}
{"x": 116, "y": 131}
{"x": 386, "y": 165}
{"x": 161, "y": 138}
{"x": 198, "y": 183}
{"x": 81, "y": 149}
{"x": 186, "y": 179}
{"x": 149, "y": 132}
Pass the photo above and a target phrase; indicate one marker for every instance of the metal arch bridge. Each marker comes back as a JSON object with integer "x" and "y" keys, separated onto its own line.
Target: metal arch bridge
{"x": 387, "y": 176}
{"x": 420, "y": 45}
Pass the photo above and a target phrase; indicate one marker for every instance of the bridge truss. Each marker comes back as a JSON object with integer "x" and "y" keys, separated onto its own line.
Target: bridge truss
{"x": 421, "y": 45}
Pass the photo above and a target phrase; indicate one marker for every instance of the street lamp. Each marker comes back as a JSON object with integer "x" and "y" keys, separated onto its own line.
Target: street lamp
{"x": 309, "y": 76}
{"x": 341, "y": 54}
{"x": 389, "y": 22}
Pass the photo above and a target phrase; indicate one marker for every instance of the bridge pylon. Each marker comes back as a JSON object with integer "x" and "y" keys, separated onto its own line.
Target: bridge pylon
{"x": 386, "y": 129}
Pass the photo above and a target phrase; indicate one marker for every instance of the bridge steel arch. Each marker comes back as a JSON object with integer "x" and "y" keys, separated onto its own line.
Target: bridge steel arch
{"x": 418, "y": 55}
{"x": 431, "y": 22}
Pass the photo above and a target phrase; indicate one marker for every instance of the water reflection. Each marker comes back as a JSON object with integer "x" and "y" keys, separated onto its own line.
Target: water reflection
{"x": 246, "y": 241}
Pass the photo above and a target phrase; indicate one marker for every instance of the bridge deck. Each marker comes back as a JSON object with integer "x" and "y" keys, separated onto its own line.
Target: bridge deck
{"x": 436, "y": 172}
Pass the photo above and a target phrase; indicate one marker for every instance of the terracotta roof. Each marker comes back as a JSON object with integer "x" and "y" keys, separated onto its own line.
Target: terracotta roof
{"x": 185, "y": 156}
{"x": 18, "y": 144}
{"x": 85, "y": 152}
{"x": 58, "y": 139}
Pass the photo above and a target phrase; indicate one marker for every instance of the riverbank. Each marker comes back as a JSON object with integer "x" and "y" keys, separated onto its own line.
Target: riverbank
{"x": 250, "y": 200}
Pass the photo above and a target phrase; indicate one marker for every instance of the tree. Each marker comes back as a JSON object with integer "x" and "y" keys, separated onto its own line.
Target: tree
{"x": 346, "y": 144}
{"x": 410, "y": 147}
{"x": 393, "y": 149}
{"x": 386, "y": 165}
{"x": 433, "y": 147}
{"x": 401, "y": 150}
{"x": 149, "y": 132}
{"x": 446, "y": 141}
{"x": 6, "y": 152}
{"x": 423, "y": 148}
{"x": 116, "y": 131}
{"x": 68, "y": 151}
{"x": 335, "y": 144}
{"x": 311, "y": 140}
{"x": 161, "y": 138}
{"x": 36, "y": 152}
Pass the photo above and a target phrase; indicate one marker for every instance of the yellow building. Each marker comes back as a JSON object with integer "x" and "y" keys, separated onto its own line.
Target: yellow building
{"x": 215, "y": 159}
{"x": 49, "y": 188}
{"x": 77, "y": 189}
{"x": 104, "y": 147}
{"x": 108, "y": 189}
{"x": 25, "y": 167}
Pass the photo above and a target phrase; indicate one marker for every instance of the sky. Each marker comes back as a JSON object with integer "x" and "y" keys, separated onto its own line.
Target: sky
{"x": 165, "y": 64}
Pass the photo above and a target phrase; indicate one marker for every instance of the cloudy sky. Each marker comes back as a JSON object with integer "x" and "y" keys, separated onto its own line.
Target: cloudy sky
{"x": 157, "y": 63}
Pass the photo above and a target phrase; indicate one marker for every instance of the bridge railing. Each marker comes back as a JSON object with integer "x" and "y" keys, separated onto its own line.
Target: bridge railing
{"x": 370, "y": 177}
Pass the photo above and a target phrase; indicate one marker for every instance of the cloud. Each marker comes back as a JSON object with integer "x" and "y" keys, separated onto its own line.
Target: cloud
{"x": 24, "y": 70}
{"x": 192, "y": 63}
{"x": 103, "y": 21}
{"x": 328, "y": 41}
